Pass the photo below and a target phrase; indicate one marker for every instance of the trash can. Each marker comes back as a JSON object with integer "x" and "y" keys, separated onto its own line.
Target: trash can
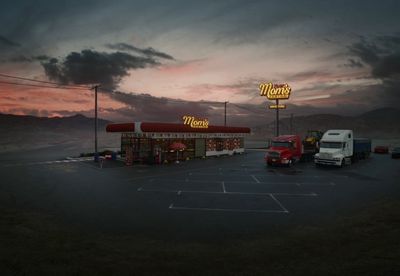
{"x": 96, "y": 157}
{"x": 113, "y": 155}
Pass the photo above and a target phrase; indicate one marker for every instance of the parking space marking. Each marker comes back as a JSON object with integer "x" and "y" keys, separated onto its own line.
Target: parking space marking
{"x": 168, "y": 173}
{"x": 225, "y": 210}
{"x": 255, "y": 178}
{"x": 251, "y": 182}
{"x": 223, "y": 187}
{"x": 223, "y": 192}
{"x": 279, "y": 203}
{"x": 308, "y": 176}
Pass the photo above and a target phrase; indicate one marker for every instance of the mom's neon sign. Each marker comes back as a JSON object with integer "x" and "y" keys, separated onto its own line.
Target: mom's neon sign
{"x": 195, "y": 122}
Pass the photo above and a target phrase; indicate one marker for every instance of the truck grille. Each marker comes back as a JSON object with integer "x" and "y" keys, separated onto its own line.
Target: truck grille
{"x": 325, "y": 155}
{"x": 273, "y": 154}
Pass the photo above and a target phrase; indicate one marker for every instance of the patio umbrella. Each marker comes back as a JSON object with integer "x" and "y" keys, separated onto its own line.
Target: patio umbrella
{"x": 177, "y": 146}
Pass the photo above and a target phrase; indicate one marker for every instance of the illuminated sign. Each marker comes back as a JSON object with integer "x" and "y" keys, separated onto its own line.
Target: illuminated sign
{"x": 275, "y": 91}
{"x": 195, "y": 122}
{"x": 277, "y": 106}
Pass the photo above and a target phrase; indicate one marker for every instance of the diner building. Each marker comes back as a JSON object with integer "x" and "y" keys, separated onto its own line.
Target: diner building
{"x": 150, "y": 142}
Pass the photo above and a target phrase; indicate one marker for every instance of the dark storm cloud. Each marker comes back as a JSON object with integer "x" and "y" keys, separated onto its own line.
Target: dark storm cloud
{"x": 89, "y": 66}
{"x": 388, "y": 66}
{"x": 354, "y": 63}
{"x": 151, "y": 52}
{"x": 24, "y": 59}
{"x": 382, "y": 55}
{"x": 19, "y": 59}
{"x": 5, "y": 42}
{"x": 147, "y": 107}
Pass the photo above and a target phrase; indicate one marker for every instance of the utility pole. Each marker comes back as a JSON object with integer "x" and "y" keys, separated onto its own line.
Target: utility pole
{"x": 225, "y": 113}
{"x": 96, "y": 153}
{"x": 277, "y": 118}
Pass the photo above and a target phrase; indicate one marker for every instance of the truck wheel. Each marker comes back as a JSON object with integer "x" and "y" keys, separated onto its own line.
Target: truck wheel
{"x": 269, "y": 164}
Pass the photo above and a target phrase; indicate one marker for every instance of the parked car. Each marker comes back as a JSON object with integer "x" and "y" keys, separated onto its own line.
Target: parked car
{"x": 381, "y": 149}
{"x": 396, "y": 152}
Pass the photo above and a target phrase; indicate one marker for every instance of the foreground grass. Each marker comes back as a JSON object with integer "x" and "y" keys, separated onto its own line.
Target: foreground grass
{"x": 365, "y": 243}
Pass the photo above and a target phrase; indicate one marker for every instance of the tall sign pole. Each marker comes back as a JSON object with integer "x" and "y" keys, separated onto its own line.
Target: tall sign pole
{"x": 96, "y": 152}
{"x": 276, "y": 92}
{"x": 277, "y": 118}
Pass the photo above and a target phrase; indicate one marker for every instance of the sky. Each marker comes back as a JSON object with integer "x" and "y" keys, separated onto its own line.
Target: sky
{"x": 157, "y": 60}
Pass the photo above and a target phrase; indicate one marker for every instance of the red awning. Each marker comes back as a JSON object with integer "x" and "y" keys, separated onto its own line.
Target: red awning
{"x": 174, "y": 128}
{"x": 127, "y": 127}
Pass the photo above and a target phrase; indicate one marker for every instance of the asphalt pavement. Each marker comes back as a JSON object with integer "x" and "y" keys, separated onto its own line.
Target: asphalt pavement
{"x": 213, "y": 198}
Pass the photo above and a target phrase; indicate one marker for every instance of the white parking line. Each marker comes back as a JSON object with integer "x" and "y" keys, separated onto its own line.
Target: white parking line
{"x": 223, "y": 192}
{"x": 255, "y": 178}
{"x": 309, "y": 176}
{"x": 226, "y": 210}
{"x": 279, "y": 203}
{"x": 250, "y": 182}
{"x": 168, "y": 173}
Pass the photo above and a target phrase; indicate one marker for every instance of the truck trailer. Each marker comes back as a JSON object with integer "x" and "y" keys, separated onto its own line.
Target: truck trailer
{"x": 338, "y": 147}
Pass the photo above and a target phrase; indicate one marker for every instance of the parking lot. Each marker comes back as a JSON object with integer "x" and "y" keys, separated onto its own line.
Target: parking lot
{"x": 211, "y": 198}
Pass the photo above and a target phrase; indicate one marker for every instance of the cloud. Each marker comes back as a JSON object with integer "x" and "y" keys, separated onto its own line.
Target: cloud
{"x": 19, "y": 59}
{"x": 5, "y": 42}
{"x": 382, "y": 55}
{"x": 147, "y": 107}
{"x": 150, "y": 52}
{"x": 89, "y": 66}
{"x": 354, "y": 63}
{"x": 26, "y": 59}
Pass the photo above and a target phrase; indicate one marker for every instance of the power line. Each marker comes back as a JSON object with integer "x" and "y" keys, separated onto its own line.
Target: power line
{"x": 41, "y": 86}
{"x": 39, "y": 81}
{"x": 244, "y": 108}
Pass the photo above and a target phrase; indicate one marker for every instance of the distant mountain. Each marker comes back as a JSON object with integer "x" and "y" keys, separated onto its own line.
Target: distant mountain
{"x": 27, "y": 123}
{"x": 20, "y": 133}
{"x": 383, "y": 123}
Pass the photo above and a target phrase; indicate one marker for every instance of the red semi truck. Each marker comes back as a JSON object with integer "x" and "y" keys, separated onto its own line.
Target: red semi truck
{"x": 284, "y": 150}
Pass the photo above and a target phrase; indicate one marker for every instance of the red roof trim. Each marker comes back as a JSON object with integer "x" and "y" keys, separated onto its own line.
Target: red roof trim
{"x": 174, "y": 128}
{"x": 128, "y": 127}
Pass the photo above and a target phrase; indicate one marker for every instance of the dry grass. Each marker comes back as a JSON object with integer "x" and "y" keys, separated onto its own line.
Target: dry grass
{"x": 366, "y": 243}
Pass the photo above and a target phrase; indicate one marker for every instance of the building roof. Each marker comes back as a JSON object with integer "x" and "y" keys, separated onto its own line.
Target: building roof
{"x": 143, "y": 127}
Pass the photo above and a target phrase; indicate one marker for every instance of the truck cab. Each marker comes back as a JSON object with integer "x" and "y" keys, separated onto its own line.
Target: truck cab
{"x": 336, "y": 147}
{"x": 284, "y": 150}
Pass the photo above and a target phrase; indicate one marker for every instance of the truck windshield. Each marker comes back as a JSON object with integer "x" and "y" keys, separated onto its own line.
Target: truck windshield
{"x": 281, "y": 144}
{"x": 331, "y": 145}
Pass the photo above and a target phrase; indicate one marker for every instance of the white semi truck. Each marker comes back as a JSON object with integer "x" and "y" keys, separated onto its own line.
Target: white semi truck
{"x": 338, "y": 147}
